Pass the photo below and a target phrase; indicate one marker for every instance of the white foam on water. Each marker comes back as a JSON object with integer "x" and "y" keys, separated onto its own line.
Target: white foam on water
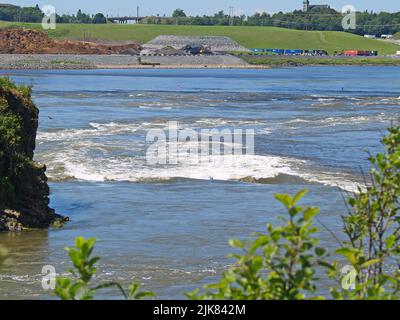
{"x": 75, "y": 164}
{"x": 335, "y": 121}
{"x": 78, "y": 154}
{"x": 96, "y": 129}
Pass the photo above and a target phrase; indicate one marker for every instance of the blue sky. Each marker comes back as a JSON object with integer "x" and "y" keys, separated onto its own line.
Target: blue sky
{"x": 200, "y": 7}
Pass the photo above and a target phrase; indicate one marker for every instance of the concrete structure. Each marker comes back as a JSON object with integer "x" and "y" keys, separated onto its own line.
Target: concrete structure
{"x": 308, "y": 7}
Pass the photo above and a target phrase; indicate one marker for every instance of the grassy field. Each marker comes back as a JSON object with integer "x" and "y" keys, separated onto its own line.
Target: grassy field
{"x": 250, "y": 37}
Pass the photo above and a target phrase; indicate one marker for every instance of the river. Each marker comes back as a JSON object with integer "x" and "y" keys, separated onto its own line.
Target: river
{"x": 167, "y": 226}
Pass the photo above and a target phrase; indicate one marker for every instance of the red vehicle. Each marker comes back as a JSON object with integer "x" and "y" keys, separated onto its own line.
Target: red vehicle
{"x": 359, "y": 53}
{"x": 352, "y": 53}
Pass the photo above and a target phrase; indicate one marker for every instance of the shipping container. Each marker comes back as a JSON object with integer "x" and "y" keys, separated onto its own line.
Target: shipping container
{"x": 278, "y": 51}
{"x": 352, "y": 53}
{"x": 295, "y": 52}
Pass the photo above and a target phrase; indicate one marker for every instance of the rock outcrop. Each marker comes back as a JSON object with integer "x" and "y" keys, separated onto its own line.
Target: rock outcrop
{"x": 24, "y": 192}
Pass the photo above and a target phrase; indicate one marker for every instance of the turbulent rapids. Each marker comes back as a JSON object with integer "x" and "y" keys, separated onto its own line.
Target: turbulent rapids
{"x": 167, "y": 225}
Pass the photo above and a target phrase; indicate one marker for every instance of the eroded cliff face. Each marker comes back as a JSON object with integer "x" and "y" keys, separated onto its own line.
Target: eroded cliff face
{"x": 24, "y": 192}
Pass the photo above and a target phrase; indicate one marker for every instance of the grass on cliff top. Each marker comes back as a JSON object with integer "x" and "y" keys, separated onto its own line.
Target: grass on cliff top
{"x": 20, "y": 91}
{"x": 250, "y": 37}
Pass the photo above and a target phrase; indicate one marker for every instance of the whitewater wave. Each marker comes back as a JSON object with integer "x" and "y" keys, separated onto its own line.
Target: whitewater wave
{"x": 113, "y": 152}
{"x": 117, "y": 128}
{"x": 335, "y": 121}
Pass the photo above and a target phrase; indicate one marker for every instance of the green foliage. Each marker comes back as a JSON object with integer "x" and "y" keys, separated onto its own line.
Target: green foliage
{"x": 10, "y": 140}
{"x": 21, "y": 14}
{"x": 79, "y": 286}
{"x": 178, "y": 13}
{"x": 99, "y": 18}
{"x": 373, "y": 228}
{"x": 277, "y": 265}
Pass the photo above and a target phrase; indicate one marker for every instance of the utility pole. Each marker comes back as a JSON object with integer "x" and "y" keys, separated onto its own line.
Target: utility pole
{"x": 137, "y": 14}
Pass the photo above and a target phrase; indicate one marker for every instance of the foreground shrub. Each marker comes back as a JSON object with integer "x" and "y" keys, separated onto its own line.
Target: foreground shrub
{"x": 79, "y": 286}
{"x": 277, "y": 265}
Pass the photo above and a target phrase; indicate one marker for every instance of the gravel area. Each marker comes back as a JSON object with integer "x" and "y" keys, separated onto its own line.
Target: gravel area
{"x": 217, "y": 44}
{"x": 62, "y": 61}
{"x": 47, "y": 61}
{"x": 200, "y": 60}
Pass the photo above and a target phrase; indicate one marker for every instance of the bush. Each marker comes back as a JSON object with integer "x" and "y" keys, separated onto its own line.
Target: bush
{"x": 79, "y": 286}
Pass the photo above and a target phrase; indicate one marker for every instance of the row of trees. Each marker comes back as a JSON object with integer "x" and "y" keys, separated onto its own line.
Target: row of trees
{"x": 19, "y": 14}
{"x": 81, "y": 17}
{"x": 35, "y": 14}
{"x": 317, "y": 19}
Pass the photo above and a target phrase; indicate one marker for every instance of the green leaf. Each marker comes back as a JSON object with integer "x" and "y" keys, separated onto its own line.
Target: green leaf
{"x": 370, "y": 263}
{"x": 285, "y": 199}
{"x": 236, "y": 244}
{"x": 310, "y": 213}
{"x": 349, "y": 254}
{"x": 299, "y": 196}
{"x": 260, "y": 242}
{"x": 320, "y": 251}
{"x": 390, "y": 241}
{"x": 79, "y": 241}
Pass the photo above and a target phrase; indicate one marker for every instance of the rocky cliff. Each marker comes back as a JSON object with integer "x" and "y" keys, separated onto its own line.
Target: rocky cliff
{"x": 24, "y": 192}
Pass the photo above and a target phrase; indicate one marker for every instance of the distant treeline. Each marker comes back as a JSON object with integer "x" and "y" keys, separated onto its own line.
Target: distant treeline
{"x": 317, "y": 19}
{"x": 35, "y": 14}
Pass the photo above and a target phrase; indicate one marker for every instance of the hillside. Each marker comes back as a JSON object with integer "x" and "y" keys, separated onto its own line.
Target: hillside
{"x": 250, "y": 37}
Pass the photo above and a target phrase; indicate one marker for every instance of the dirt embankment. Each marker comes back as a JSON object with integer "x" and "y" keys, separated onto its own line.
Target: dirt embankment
{"x": 27, "y": 41}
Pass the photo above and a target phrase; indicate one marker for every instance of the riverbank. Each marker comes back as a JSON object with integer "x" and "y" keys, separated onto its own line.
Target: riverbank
{"x": 87, "y": 62}
{"x": 82, "y": 62}
{"x": 298, "y": 61}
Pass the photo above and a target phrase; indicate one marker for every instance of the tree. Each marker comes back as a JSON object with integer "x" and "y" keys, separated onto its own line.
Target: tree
{"x": 179, "y": 13}
{"x": 99, "y": 18}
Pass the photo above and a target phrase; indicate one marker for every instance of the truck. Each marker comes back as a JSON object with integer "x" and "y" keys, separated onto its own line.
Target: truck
{"x": 360, "y": 53}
